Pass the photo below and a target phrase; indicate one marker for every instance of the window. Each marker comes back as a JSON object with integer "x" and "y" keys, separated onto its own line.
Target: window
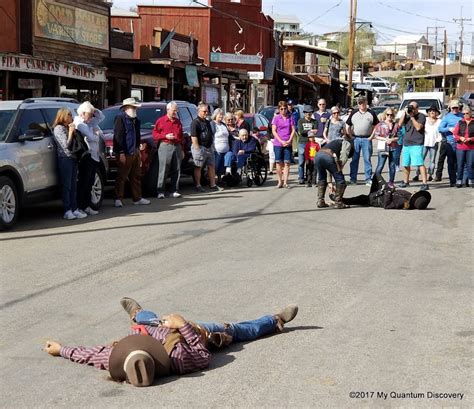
{"x": 32, "y": 119}
{"x": 184, "y": 117}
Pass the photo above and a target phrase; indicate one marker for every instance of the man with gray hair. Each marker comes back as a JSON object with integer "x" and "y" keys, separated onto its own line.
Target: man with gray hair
{"x": 360, "y": 125}
{"x": 169, "y": 133}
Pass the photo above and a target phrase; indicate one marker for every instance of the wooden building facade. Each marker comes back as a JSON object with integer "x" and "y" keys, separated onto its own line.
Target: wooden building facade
{"x": 61, "y": 50}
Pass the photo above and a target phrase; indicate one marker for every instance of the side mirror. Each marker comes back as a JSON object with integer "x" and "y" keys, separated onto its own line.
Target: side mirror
{"x": 31, "y": 135}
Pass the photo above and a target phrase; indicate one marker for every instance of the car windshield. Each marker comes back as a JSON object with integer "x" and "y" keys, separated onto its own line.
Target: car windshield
{"x": 389, "y": 97}
{"x": 422, "y": 103}
{"x": 378, "y": 84}
{"x": 146, "y": 115}
{"x": 6, "y": 121}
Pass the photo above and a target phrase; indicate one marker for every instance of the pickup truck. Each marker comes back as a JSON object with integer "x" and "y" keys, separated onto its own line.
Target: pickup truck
{"x": 424, "y": 100}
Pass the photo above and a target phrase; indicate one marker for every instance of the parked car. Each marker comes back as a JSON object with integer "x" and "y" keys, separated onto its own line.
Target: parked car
{"x": 378, "y": 86}
{"x": 379, "y": 109}
{"x": 391, "y": 99}
{"x": 148, "y": 113}
{"x": 258, "y": 121}
{"x": 468, "y": 98}
{"x": 28, "y": 164}
{"x": 268, "y": 112}
{"x": 424, "y": 100}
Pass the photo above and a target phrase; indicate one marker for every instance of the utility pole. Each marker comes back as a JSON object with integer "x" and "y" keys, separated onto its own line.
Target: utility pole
{"x": 436, "y": 40}
{"x": 352, "y": 17}
{"x": 461, "y": 23}
{"x": 445, "y": 51}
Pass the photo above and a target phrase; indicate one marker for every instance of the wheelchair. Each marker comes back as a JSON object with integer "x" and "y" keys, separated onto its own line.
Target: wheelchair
{"x": 254, "y": 171}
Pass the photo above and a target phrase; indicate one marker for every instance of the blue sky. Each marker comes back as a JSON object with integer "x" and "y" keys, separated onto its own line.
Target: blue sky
{"x": 332, "y": 15}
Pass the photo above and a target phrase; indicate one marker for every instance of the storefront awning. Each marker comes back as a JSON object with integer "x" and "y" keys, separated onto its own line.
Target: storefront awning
{"x": 291, "y": 77}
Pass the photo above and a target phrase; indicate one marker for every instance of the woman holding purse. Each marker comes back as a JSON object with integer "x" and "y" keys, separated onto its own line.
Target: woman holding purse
{"x": 63, "y": 132}
{"x": 386, "y": 134}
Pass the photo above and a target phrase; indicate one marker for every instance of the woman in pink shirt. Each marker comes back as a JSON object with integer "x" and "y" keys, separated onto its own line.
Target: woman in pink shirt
{"x": 283, "y": 130}
{"x": 464, "y": 135}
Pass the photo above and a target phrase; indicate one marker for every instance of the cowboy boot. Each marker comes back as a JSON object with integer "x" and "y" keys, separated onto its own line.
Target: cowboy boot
{"x": 339, "y": 204}
{"x": 321, "y": 193}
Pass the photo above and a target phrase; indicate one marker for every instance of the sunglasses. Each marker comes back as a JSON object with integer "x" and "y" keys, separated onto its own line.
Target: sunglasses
{"x": 390, "y": 115}
{"x": 454, "y": 107}
{"x": 283, "y": 109}
{"x": 334, "y": 113}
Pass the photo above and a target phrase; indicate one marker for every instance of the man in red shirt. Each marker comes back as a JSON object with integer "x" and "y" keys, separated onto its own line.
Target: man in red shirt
{"x": 169, "y": 133}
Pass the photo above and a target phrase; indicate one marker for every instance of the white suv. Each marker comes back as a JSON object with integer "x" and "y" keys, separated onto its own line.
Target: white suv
{"x": 28, "y": 165}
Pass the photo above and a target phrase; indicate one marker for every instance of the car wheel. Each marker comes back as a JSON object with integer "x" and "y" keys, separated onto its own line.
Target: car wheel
{"x": 9, "y": 203}
{"x": 97, "y": 192}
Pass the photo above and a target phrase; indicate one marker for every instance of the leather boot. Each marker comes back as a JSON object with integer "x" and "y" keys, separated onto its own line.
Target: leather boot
{"x": 321, "y": 193}
{"x": 339, "y": 204}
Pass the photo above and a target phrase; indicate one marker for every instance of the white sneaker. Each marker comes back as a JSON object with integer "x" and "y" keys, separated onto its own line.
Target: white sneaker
{"x": 142, "y": 201}
{"x": 79, "y": 214}
{"x": 90, "y": 211}
{"x": 69, "y": 215}
{"x": 118, "y": 203}
{"x": 160, "y": 196}
{"x": 175, "y": 195}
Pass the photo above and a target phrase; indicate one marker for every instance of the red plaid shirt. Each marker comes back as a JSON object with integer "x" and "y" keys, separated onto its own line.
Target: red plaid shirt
{"x": 188, "y": 356}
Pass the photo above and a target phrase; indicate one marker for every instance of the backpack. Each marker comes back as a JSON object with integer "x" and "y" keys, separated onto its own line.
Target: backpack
{"x": 78, "y": 145}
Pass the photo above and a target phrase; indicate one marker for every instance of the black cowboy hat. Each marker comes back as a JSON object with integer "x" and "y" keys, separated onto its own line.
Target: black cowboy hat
{"x": 420, "y": 200}
{"x": 139, "y": 359}
{"x": 433, "y": 108}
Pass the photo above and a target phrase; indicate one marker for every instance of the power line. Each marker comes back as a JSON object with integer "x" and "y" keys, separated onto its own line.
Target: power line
{"x": 321, "y": 15}
{"x": 415, "y": 14}
{"x": 250, "y": 23}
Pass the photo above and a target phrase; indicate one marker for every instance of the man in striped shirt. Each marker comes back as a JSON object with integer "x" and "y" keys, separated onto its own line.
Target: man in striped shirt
{"x": 180, "y": 338}
{"x": 188, "y": 355}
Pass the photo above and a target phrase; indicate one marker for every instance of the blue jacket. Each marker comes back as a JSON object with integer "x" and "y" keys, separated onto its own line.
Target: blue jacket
{"x": 249, "y": 146}
{"x": 450, "y": 120}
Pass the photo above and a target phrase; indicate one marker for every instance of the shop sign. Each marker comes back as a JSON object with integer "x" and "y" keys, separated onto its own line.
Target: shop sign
{"x": 149, "y": 81}
{"x": 12, "y": 62}
{"x": 29, "y": 83}
{"x": 179, "y": 50}
{"x": 255, "y": 75}
{"x": 58, "y": 21}
{"x": 192, "y": 76}
{"x": 235, "y": 58}
{"x": 210, "y": 95}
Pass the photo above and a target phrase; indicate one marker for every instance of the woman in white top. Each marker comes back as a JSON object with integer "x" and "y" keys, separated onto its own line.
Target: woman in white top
{"x": 432, "y": 137}
{"x": 222, "y": 144}
{"x": 87, "y": 123}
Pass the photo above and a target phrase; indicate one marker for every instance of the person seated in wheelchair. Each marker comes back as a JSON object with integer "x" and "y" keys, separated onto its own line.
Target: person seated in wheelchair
{"x": 243, "y": 148}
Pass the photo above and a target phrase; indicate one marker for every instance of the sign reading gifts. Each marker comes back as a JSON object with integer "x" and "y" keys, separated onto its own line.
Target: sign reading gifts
{"x": 65, "y": 23}
{"x": 12, "y": 62}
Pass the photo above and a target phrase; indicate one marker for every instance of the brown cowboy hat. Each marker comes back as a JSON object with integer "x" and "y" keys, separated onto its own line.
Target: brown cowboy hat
{"x": 138, "y": 359}
{"x": 420, "y": 200}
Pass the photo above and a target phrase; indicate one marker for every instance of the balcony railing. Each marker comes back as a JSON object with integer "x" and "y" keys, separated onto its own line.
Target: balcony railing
{"x": 314, "y": 69}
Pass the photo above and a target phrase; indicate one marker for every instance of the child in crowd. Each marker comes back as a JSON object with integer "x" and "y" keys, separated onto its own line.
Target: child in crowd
{"x": 310, "y": 150}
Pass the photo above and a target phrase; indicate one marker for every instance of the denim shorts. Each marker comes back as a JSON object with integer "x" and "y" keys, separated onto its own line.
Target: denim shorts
{"x": 283, "y": 153}
{"x": 412, "y": 155}
{"x": 203, "y": 156}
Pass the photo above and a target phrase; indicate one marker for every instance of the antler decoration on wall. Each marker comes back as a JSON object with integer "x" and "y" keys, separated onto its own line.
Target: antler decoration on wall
{"x": 236, "y": 49}
{"x": 241, "y": 30}
{"x": 216, "y": 49}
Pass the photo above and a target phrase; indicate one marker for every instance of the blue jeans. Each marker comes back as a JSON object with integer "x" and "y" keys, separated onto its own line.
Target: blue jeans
{"x": 246, "y": 330}
{"x": 240, "y": 331}
{"x": 391, "y": 164}
{"x": 364, "y": 145}
{"x": 223, "y": 160}
{"x": 241, "y": 160}
{"x": 429, "y": 151}
{"x": 301, "y": 161}
{"x": 464, "y": 158}
{"x": 324, "y": 163}
{"x": 451, "y": 155}
{"x": 68, "y": 175}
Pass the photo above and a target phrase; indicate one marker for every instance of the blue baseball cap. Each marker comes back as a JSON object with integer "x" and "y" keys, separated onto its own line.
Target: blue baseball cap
{"x": 290, "y": 102}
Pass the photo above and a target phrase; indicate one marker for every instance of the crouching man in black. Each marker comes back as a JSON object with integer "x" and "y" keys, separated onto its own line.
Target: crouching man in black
{"x": 381, "y": 195}
{"x": 332, "y": 158}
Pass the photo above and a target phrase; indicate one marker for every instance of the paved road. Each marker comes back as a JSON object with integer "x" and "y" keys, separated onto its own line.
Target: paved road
{"x": 385, "y": 299}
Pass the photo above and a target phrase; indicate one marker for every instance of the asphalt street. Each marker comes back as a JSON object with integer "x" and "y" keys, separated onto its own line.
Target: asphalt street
{"x": 385, "y": 299}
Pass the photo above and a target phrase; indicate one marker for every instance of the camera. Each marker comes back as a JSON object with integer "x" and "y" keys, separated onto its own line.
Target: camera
{"x": 409, "y": 109}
